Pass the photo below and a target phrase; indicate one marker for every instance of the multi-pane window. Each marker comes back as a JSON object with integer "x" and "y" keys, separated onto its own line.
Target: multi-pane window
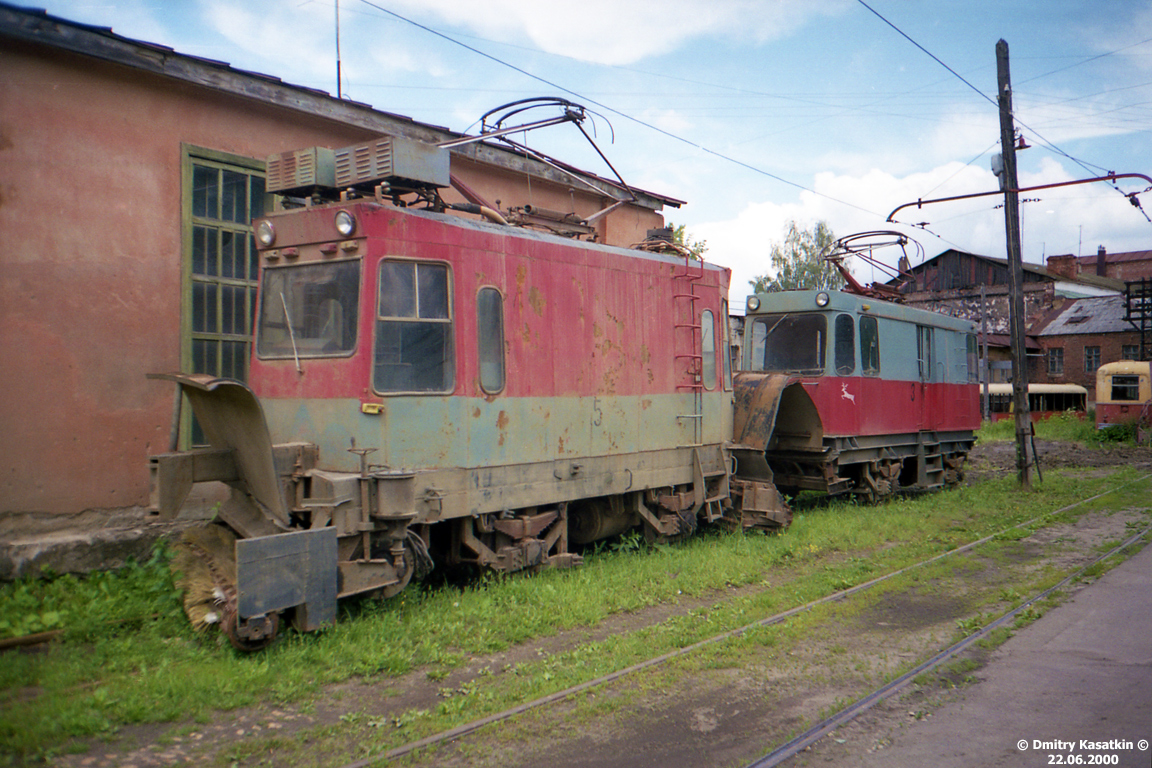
{"x": 1055, "y": 357}
{"x": 223, "y": 265}
{"x": 1091, "y": 359}
{"x": 1130, "y": 352}
{"x": 1126, "y": 387}
{"x": 222, "y": 194}
{"x": 413, "y": 351}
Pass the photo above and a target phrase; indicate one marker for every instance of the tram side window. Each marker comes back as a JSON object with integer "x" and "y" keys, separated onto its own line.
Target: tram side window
{"x": 309, "y": 310}
{"x": 869, "y": 346}
{"x": 973, "y": 359}
{"x": 924, "y": 351}
{"x": 726, "y": 346}
{"x": 1125, "y": 388}
{"x": 789, "y": 343}
{"x": 490, "y": 327}
{"x": 845, "y": 346}
{"x": 708, "y": 350}
{"x": 413, "y": 329}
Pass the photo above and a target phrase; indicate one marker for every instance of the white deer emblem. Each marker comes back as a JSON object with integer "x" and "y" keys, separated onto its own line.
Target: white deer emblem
{"x": 845, "y": 394}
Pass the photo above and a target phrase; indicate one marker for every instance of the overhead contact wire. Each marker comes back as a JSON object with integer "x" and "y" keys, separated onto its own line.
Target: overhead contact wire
{"x": 614, "y": 111}
{"x": 996, "y": 104}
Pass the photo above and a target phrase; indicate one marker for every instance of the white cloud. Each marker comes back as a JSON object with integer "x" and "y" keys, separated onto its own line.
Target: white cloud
{"x": 1056, "y": 223}
{"x": 617, "y": 32}
{"x": 289, "y": 44}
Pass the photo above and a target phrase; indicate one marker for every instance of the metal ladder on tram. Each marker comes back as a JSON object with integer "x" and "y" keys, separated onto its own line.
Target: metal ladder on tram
{"x": 687, "y": 345}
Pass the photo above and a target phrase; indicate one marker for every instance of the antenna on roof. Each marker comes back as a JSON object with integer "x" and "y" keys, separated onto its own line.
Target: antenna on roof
{"x": 339, "y": 89}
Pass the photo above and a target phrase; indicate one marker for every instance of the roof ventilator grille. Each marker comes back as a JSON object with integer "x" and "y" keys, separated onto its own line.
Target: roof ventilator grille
{"x": 301, "y": 172}
{"x": 393, "y": 160}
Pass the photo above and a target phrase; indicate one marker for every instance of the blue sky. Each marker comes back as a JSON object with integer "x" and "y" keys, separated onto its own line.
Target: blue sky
{"x": 755, "y": 112}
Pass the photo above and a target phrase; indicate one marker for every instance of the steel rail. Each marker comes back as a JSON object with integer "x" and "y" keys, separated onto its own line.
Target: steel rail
{"x": 820, "y": 730}
{"x": 475, "y": 725}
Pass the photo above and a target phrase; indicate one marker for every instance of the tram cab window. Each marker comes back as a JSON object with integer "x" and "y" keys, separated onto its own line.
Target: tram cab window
{"x": 869, "y": 346}
{"x": 413, "y": 351}
{"x": 1125, "y": 387}
{"x": 309, "y": 310}
{"x": 793, "y": 343}
{"x": 845, "y": 346}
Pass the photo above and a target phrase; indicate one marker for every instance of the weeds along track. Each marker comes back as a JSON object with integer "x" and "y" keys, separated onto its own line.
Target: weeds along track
{"x": 846, "y": 714}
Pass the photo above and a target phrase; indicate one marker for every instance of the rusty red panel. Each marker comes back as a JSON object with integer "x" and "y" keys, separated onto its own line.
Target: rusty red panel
{"x": 579, "y": 319}
{"x": 873, "y": 406}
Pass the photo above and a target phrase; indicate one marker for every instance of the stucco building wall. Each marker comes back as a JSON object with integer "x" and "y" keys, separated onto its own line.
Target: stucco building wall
{"x": 92, "y": 276}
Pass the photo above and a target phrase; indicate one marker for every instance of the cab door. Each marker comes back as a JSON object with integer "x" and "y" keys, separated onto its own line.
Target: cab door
{"x": 925, "y": 362}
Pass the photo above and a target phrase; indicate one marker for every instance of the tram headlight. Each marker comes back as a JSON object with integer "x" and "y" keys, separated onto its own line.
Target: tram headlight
{"x": 265, "y": 233}
{"x": 822, "y": 299}
{"x": 345, "y": 223}
{"x": 753, "y": 303}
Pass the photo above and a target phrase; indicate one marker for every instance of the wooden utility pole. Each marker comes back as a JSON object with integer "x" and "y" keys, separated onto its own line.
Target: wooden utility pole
{"x": 1015, "y": 268}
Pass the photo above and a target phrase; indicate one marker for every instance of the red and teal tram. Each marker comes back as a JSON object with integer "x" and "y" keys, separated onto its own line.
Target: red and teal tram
{"x": 426, "y": 388}
{"x": 845, "y": 393}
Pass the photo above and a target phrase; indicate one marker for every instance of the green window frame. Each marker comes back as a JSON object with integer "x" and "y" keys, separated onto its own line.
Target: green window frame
{"x": 1091, "y": 359}
{"x": 221, "y": 195}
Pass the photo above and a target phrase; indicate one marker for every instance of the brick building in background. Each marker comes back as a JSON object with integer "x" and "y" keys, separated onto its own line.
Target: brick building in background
{"x": 1083, "y": 335}
{"x": 1128, "y": 266}
{"x": 975, "y": 287}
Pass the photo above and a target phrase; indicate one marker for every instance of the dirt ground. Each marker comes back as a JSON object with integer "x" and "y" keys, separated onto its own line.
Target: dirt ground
{"x": 686, "y": 713}
{"x": 995, "y": 459}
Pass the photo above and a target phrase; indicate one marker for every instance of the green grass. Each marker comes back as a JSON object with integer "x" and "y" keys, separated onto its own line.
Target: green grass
{"x": 1064, "y": 427}
{"x": 127, "y": 656}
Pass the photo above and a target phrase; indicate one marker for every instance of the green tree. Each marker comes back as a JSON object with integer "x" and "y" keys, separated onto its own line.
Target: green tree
{"x": 799, "y": 262}
{"x": 680, "y": 237}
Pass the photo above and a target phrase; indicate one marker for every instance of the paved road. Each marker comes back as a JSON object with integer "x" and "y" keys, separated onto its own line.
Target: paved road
{"x": 1082, "y": 673}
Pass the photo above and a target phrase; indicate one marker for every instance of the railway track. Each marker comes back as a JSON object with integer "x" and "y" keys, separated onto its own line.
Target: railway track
{"x": 783, "y": 752}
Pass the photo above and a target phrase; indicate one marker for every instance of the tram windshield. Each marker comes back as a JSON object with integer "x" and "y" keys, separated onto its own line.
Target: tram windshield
{"x": 309, "y": 310}
{"x": 792, "y": 343}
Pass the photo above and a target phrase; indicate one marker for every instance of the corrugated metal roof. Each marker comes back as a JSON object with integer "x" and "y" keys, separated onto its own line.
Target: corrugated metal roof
{"x": 1089, "y": 316}
{"x": 1085, "y": 278}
